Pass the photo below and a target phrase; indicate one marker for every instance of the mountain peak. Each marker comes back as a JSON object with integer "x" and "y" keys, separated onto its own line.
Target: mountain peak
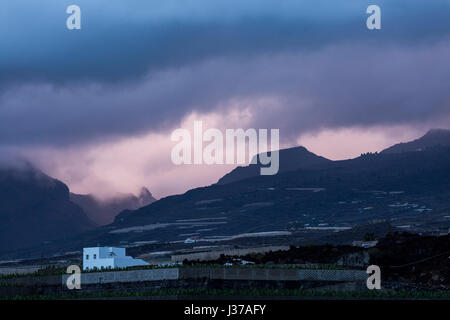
{"x": 145, "y": 197}
{"x": 433, "y": 138}
{"x": 437, "y": 133}
{"x": 291, "y": 159}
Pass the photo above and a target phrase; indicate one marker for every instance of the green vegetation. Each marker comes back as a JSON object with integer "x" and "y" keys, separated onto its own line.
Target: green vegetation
{"x": 167, "y": 293}
{"x": 52, "y": 271}
{"x": 61, "y": 271}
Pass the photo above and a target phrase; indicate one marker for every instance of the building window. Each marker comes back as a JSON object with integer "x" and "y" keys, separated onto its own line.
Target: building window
{"x": 95, "y": 256}
{"x": 87, "y": 257}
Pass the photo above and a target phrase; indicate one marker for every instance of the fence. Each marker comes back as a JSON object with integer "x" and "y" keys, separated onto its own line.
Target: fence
{"x": 221, "y": 274}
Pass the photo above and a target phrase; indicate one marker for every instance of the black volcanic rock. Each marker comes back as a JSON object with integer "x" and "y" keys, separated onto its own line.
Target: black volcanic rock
{"x": 104, "y": 211}
{"x": 433, "y": 138}
{"x": 290, "y": 159}
{"x": 35, "y": 208}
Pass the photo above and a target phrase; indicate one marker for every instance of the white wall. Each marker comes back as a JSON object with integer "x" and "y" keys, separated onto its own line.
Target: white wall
{"x": 128, "y": 262}
{"x": 104, "y": 259}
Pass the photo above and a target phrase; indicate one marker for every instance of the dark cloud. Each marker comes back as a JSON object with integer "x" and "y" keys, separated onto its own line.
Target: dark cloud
{"x": 297, "y": 65}
{"x": 126, "y": 40}
{"x": 337, "y": 86}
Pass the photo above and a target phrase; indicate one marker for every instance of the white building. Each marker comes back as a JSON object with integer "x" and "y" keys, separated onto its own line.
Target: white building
{"x": 108, "y": 258}
{"x": 365, "y": 244}
{"x": 192, "y": 239}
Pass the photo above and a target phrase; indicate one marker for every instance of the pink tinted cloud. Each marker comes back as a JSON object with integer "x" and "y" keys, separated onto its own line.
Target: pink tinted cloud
{"x": 347, "y": 143}
{"x": 123, "y": 165}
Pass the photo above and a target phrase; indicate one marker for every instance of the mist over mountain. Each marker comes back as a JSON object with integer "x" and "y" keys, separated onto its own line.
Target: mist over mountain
{"x": 35, "y": 208}
{"x": 433, "y": 138}
{"x": 104, "y": 211}
{"x": 410, "y": 189}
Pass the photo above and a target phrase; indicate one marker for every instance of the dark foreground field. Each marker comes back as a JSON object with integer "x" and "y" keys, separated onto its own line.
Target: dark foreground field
{"x": 412, "y": 267}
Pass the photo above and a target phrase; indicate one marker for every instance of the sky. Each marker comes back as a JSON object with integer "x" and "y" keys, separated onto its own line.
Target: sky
{"x": 95, "y": 107}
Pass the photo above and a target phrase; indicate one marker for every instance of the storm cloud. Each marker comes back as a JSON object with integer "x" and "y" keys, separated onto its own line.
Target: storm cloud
{"x": 129, "y": 39}
{"x": 337, "y": 86}
{"x": 140, "y": 68}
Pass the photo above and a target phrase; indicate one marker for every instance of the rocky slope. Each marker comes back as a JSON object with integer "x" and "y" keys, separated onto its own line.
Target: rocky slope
{"x": 290, "y": 159}
{"x": 35, "y": 208}
{"x": 433, "y": 138}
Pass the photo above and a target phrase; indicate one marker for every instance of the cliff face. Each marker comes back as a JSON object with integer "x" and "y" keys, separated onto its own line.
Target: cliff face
{"x": 103, "y": 212}
{"x": 35, "y": 208}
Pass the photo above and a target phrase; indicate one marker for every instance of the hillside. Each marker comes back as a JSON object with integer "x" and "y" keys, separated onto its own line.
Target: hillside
{"x": 320, "y": 202}
{"x": 433, "y": 138}
{"x": 412, "y": 190}
{"x": 35, "y": 208}
{"x": 290, "y": 159}
{"x": 274, "y": 200}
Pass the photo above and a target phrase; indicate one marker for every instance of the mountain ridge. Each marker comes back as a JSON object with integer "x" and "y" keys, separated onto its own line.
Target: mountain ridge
{"x": 35, "y": 207}
{"x": 432, "y": 138}
{"x": 290, "y": 159}
{"x": 410, "y": 188}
